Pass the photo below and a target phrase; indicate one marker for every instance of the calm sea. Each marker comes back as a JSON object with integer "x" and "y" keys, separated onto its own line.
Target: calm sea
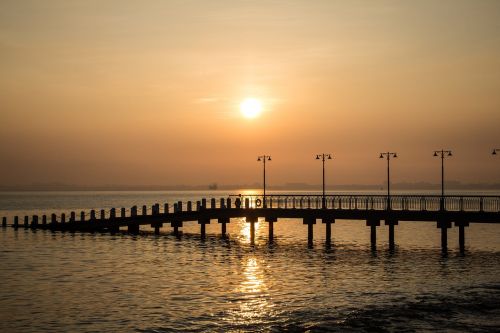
{"x": 77, "y": 282}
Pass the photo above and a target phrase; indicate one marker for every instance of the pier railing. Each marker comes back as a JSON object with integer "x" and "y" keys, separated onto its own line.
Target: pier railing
{"x": 471, "y": 203}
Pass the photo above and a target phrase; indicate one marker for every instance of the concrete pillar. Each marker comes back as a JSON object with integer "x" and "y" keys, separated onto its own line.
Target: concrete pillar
{"x": 252, "y": 220}
{"x": 157, "y": 229}
{"x": 391, "y": 222}
{"x": 271, "y": 221}
{"x": 373, "y": 224}
{"x": 461, "y": 234}
{"x": 16, "y": 222}
{"x": 328, "y": 230}
{"x": 4, "y": 222}
{"x": 444, "y": 225}
{"x": 310, "y": 221}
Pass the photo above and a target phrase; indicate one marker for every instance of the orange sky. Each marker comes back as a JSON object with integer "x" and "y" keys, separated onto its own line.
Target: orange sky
{"x": 147, "y": 92}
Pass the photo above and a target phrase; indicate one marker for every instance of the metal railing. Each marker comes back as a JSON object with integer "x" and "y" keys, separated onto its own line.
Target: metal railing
{"x": 375, "y": 202}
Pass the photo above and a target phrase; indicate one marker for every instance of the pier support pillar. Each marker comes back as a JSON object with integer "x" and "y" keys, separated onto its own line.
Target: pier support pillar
{"x": 252, "y": 220}
{"x": 328, "y": 230}
{"x": 157, "y": 229}
{"x": 271, "y": 221}
{"x": 373, "y": 224}
{"x": 223, "y": 221}
{"x": 390, "y": 222}
{"x": 203, "y": 222}
{"x": 444, "y": 225}
{"x": 133, "y": 228}
{"x": 4, "y": 222}
{"x": 34, "y": 222}
{"x": 26, "y": 221}
{"x": 176, "y": 225}
{"x": 310, "y": 221}
{"x": 461, "y": 234}
{"x": 16, "y": 222}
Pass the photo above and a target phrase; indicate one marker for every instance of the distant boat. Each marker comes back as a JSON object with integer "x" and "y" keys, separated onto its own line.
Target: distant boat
{"x": 212, "y": 186}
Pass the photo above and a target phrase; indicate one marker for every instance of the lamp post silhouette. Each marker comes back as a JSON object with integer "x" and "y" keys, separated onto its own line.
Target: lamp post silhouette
{"x": 388, "y": 156}
{"x": 263, "y": 158}
{"x": 323, "y": 157}
{"x": 495, "y": 150}
{"x": 442, "y": 153}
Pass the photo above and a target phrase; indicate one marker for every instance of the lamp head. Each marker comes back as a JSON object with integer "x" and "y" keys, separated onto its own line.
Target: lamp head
{"x": 329, "y": 156}
{"x": 258, "y": 159}
{"x": 395, "y": 155}
{"x": 317, "y": 156}
{"x": 449, "y": 153}
{"x": 435, "y": 153}
{"x": 381, "y": 155}
{"x": 494, "y": 152}
{"x": 269, "y": 158}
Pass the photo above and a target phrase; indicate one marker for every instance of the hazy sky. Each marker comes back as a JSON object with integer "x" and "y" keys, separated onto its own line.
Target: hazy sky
{"x": 148, "y": 92}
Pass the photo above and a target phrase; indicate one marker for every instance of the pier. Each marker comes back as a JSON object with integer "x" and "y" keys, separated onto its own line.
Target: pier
{"x": 446, "y": 211}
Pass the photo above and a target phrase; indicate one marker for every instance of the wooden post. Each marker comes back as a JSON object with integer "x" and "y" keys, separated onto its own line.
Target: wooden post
{"x": 82, "y": 216}
{"x": 189, "y": 206}
{"x": 92, "y": 215}
{"x": 16, "y": 222}
{"x": 179, "y": 206}
{"x": 72, "y": 217}
{"x": 103, "y": 214}
{"x": 157, "y": 229}
{"x": 212, "y": 203}
{"x": 202, "y": 230}
{"x": 222, "y": 203}
{"x": 198, "y": 205}
{"x": 26, "y": 221}
{"x": 247, "y": 202}
{"x": 228, "y": 203}
{"x": 203, "y": 203}
{"x": 133, "y": 211}
{"x": 112, "y": 213}
{"x": 223, "y": 221}
{"x": 4, "y": 222}
{"x": 461, "y": 234}
{"x": 122, "y": 212}
{"x": 53, "y": 219}
{"x": 63, "y": 218}
{"x": 44, "y": 219}
{"x": 144, "y": 210}
{"x": 34, "y": 222}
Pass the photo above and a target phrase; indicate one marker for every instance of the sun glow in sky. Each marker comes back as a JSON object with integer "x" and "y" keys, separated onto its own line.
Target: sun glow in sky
{"x": 251, "y": 108}
{"x": 150, "y": 92}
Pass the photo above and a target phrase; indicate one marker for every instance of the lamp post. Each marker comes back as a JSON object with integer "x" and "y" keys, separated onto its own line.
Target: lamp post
{"x": 264, "y": 158}
{"x": 442, "y": 153}
{"x": 495, "y": 150}
{"x": 323, "y": 157}
{"x": 388, "y": 156}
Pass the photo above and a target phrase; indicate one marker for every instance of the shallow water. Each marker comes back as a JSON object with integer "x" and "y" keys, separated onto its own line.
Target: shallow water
{"x": 74, "y": 282}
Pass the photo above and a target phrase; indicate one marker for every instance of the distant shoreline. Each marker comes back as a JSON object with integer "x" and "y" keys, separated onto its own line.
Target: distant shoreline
{"x": 285, "y": 187}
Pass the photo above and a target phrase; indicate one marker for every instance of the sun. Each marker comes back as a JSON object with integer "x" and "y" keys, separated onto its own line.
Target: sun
{"x": 251, "y": 108}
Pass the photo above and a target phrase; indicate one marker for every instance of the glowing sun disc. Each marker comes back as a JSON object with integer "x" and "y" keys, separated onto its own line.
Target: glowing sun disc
{"x": 251, "y": 108}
